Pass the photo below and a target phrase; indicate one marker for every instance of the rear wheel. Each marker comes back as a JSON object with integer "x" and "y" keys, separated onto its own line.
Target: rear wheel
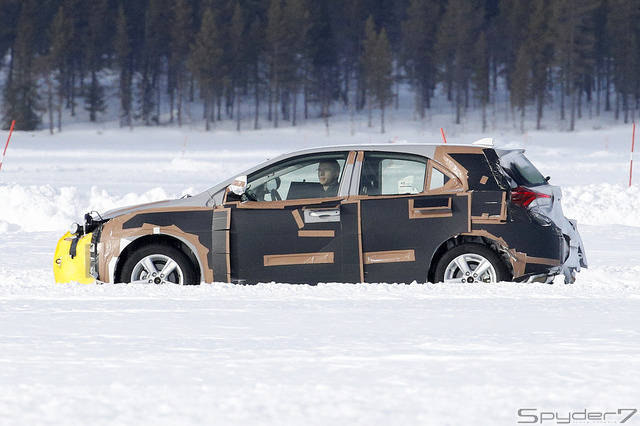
{"x": 158, "y": 264}
{"x": 470, "y": 263}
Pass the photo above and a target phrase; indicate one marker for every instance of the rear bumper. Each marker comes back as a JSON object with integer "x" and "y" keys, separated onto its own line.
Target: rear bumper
{"x": 575, "y": 255}
{"x": 72, "y": 259}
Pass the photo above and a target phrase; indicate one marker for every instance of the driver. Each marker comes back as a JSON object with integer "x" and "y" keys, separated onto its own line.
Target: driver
{"x": 328, "y": 172}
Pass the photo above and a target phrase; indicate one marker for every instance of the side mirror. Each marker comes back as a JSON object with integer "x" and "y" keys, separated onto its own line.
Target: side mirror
{"x": 238, "y": 186}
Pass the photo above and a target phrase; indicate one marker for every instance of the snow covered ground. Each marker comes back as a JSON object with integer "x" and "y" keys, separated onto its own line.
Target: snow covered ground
{"x": 334, "y": 353}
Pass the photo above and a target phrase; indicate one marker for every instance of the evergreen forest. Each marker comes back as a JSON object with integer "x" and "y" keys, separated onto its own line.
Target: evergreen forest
{"x": 289, "y": 60}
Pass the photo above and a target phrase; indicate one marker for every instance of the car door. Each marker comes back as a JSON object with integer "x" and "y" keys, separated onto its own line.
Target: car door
{"x": 409, "y": 208}
{"x": 290, "y": 229}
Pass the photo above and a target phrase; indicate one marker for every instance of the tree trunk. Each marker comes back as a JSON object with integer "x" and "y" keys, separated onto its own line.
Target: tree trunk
{"x": 572, "y": 123}
{"x": 172, "y": 101}
{"x": 180, "y": 95}
{"x": 294, "y": 111}
{"x": 276, "y": 113}
{"x": 50, "y": 103}
{"x": 59, "y": 108}
{"x": 72, "y": 94}
{"x": 207, "y": 125}
{"x": 237, "y": 99}
{"x": 562, "y": 111}
{"x": 270, "y": 103}
{"x": 257, "y": 102}
{"x": 540, "y": 110}
{"x": 370, "y": 107}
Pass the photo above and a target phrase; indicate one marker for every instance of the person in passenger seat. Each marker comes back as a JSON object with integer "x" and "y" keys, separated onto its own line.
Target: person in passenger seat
{"x": 328, "y": 172}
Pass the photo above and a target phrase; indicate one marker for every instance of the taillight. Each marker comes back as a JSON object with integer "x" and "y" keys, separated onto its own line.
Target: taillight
{"x": 522, "y": 196}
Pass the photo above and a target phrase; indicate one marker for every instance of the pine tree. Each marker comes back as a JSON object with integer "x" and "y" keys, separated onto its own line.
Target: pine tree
{"x": 57, "y": 63}
{"x": 377, "y": 68}
{"x": 21, "y": 100}
{"x": 481, "y": 76}
{"x": 322, "y": 68}
{"x": 531, "y": 79}
{"x": 9, "y": 14}
{"x": 383, "y": 81}
{"x": 255, "y": 50}
{"x": 125, "y": 64}
{"x": 419, "y": 38}
{"x": 458, "y": 32}
{"x": 276, "y": 37}
{"x": 205, "y": 62}
{"x": 352, "y": 17}
{"x": 96, "y": 50}
{"x": 238, "y": 65}
{"x": 511, "y": 26}
{"x": 602, "y": 47}
{"x": 156, "y": 42}
{"x": 520, "y": 81}
{"x": 95, "y": 97}
{"x": 539, "y": 47}
{"x": 78, "y": 14}
{"x": 296, "y": 18}
{"x": 367, "y": 64}
{"x": 623, "y": 27}
{"x": 181, "y": 39}
{"x": 574, "y": 48}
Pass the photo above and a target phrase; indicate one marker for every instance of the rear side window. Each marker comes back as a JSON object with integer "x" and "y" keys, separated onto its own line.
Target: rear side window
{"x": 392, "y": 174}
{"x": 521, "y": 170}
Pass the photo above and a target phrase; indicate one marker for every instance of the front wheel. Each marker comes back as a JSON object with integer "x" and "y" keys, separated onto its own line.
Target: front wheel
{"x": 158, "y": 264}
{"x": 470, "y": 263}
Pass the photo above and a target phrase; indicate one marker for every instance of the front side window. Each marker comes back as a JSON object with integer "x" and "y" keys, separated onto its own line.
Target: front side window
{"x": 392, "y": 174}
{"x": 308, "y": 176}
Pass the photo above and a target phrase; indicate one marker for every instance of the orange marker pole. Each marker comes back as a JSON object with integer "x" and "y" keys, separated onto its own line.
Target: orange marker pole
{"x": 443, "y": 136}
{"x": 13, "y": 123}
{"x": 633, "y": 143}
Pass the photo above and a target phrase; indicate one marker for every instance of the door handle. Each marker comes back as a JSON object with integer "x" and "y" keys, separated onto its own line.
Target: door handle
{"x": 324, "y": 213}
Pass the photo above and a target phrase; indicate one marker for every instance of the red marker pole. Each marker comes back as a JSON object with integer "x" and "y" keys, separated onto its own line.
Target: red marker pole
{"x": 633, "y": 143}
{"x": 444, "y": 138}
{"x": 13, "y": 123}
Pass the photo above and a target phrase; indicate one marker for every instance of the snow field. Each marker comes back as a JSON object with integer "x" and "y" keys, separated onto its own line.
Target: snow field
{"x": 332, "y": 354}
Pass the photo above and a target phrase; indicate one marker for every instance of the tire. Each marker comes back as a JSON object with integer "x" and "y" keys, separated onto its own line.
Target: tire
{"x": 459, "y": 265}
{"x": 159, "y": 264}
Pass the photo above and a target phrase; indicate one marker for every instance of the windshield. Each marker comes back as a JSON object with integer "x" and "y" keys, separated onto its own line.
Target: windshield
{"x": 521, "y": 170}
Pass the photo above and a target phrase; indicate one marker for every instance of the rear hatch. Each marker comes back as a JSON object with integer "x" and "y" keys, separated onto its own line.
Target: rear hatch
{"x": 531, "y": 190}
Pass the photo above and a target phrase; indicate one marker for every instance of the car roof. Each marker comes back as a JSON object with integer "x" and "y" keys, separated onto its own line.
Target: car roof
{"x": 388, "y": 147}
{"x": 427, "y": 149}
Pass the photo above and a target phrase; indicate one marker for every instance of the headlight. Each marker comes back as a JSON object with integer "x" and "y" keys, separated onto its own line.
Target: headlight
{"x": 74, "y": 228}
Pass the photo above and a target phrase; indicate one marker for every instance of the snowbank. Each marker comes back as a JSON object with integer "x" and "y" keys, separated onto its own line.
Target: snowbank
{"x": 603, "y": 204}
{"x": 46, "y": 208}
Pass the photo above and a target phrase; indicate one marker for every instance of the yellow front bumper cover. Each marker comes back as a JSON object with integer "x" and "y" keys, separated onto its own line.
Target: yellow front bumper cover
{"x": 73, "y": 269}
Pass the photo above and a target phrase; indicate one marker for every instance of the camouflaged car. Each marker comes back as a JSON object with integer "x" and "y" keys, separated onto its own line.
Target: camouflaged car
{"x": 371, "y": 213}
